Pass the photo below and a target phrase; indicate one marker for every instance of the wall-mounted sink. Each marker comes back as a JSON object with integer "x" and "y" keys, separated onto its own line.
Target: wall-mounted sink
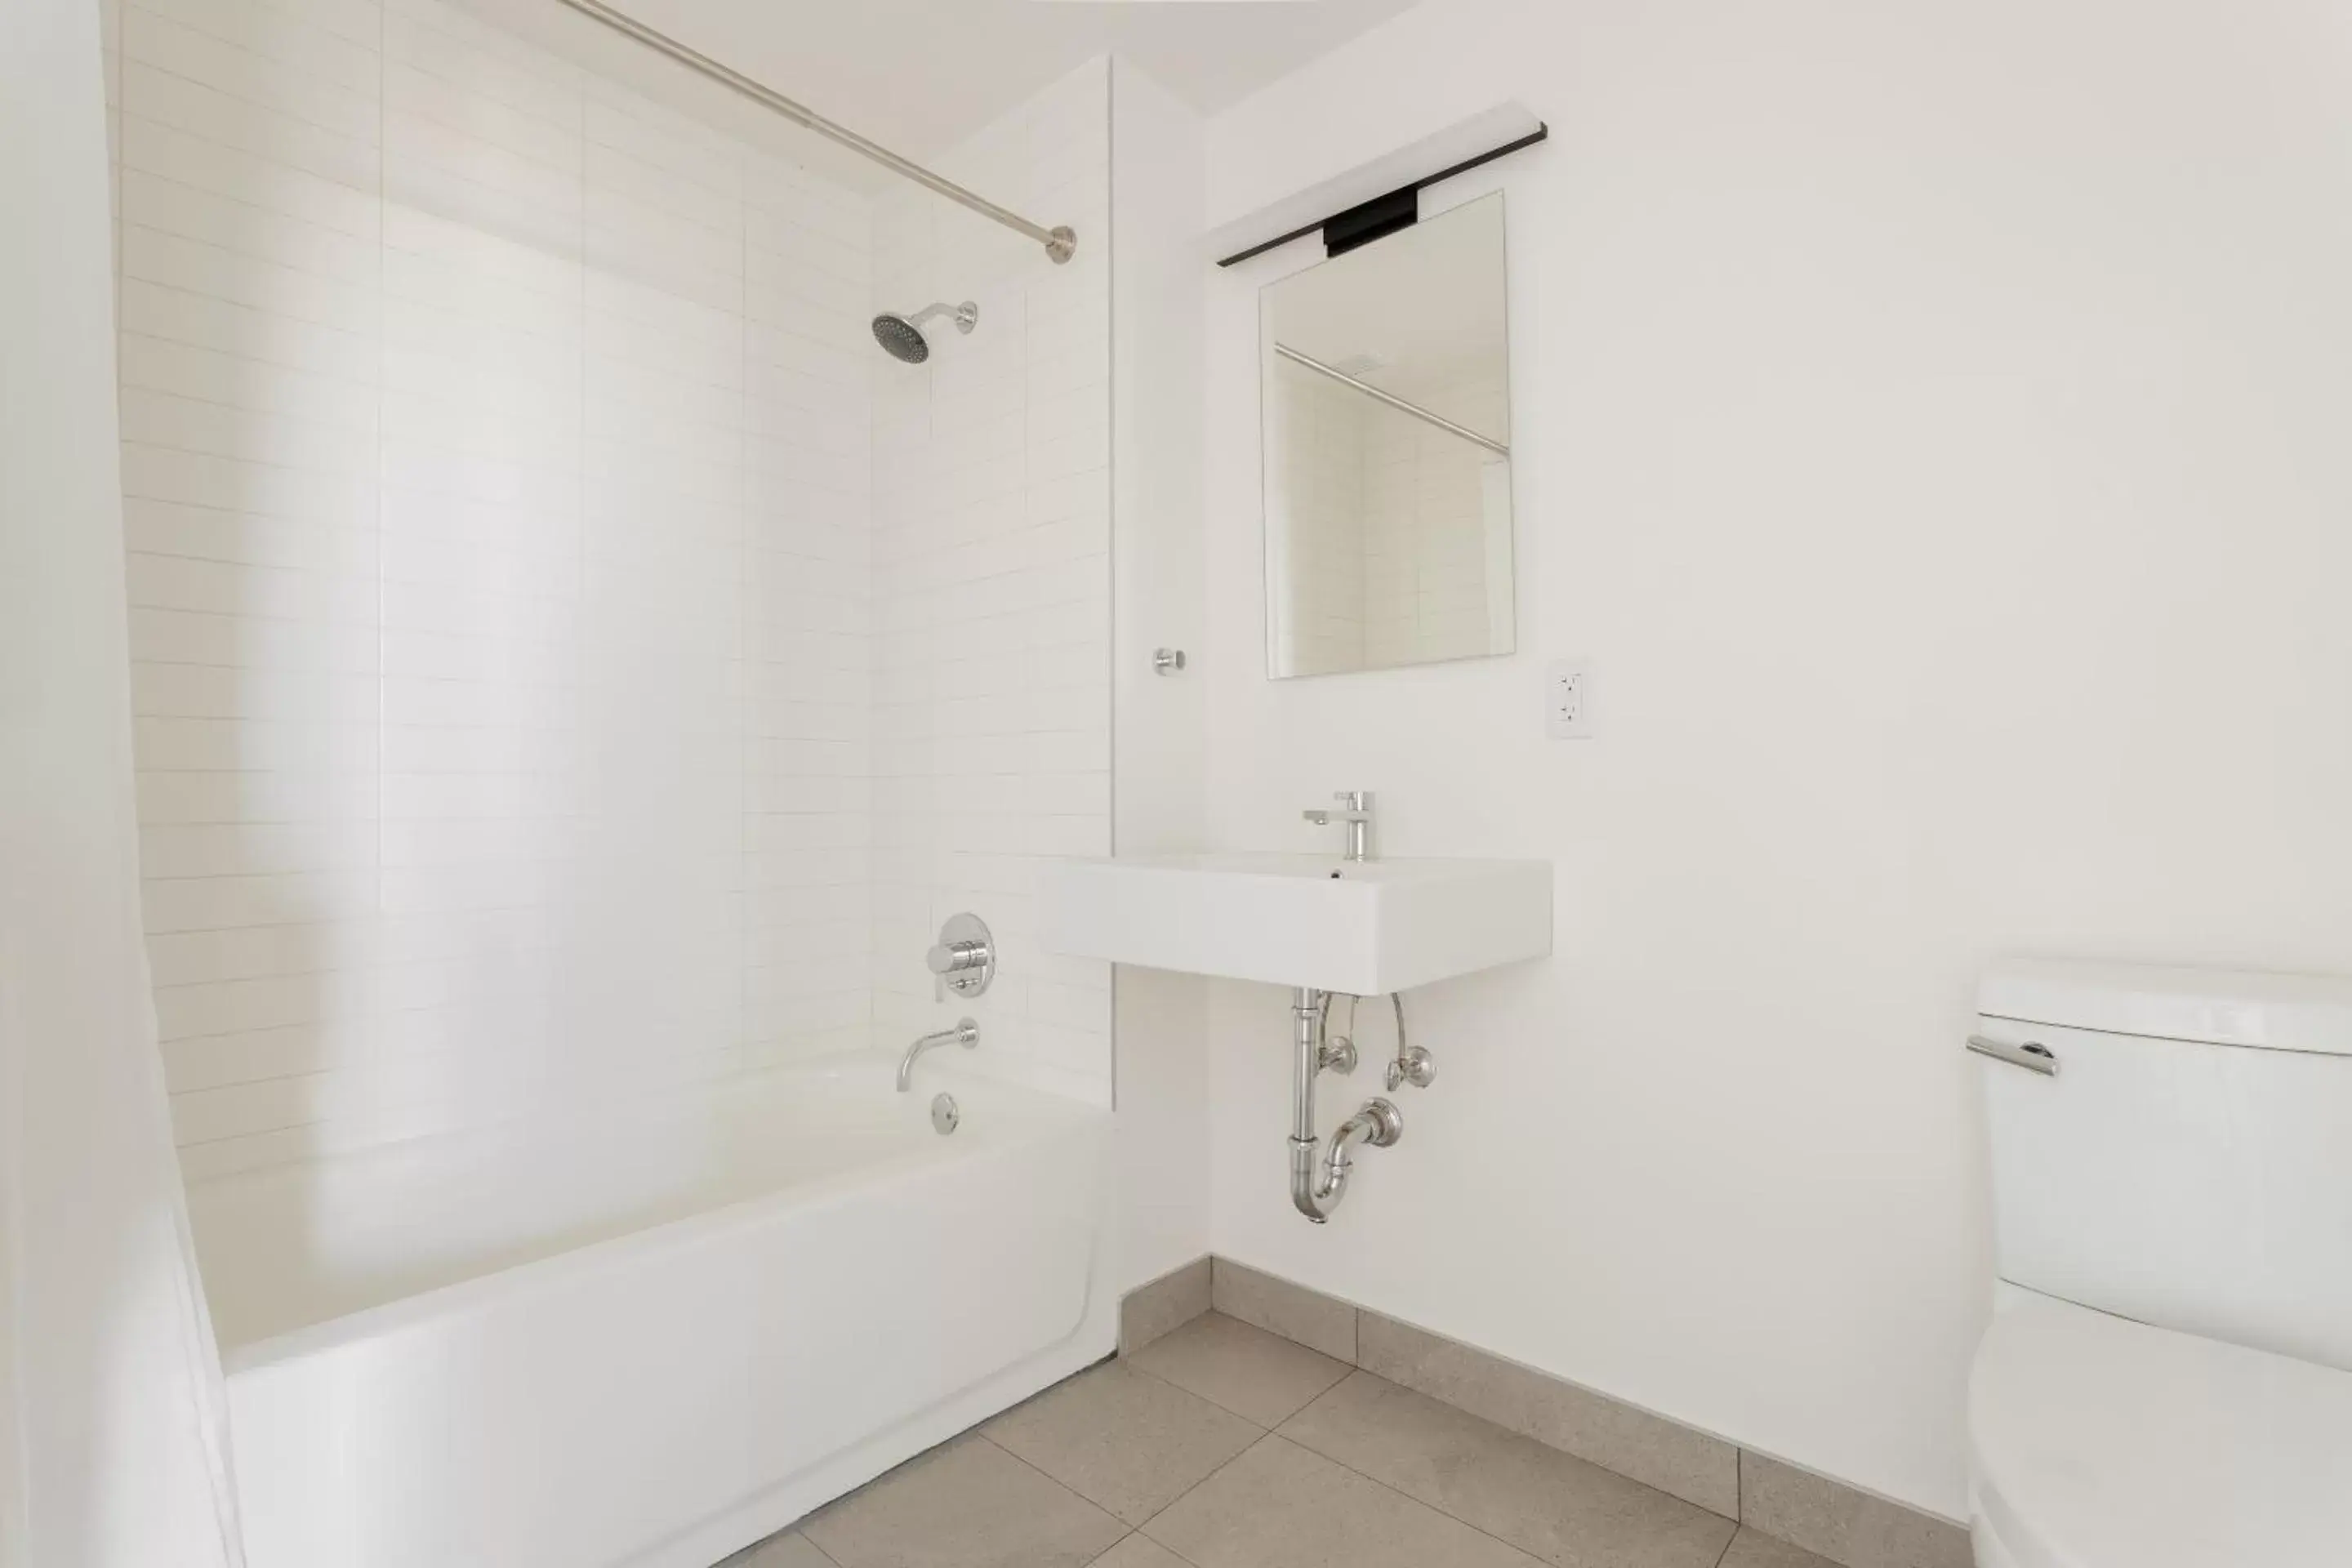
{"x": 1361, "y": 927}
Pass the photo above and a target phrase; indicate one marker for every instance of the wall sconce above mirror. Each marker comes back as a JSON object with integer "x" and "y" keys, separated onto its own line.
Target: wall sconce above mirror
{"x": 1385, "y": 398}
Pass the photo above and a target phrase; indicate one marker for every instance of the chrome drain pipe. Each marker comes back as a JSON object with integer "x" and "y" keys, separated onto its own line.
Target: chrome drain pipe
{"x": 1377, "y": 1123}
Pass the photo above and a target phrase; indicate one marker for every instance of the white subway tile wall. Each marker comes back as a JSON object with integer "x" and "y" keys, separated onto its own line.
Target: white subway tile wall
{"x": 1315, "y": 512}
{"x": 1386, "y": 527}
{"x": 992, "y": 586}
{"x": 568, "y": 656}
{"x": 1434, "y": 507}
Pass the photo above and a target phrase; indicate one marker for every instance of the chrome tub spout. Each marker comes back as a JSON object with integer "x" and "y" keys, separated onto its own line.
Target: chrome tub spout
{"x": 965, "y": 1034}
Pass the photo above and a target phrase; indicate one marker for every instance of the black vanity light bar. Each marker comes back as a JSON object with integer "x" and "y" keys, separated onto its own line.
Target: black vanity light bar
{"x": 1384, "y": 214}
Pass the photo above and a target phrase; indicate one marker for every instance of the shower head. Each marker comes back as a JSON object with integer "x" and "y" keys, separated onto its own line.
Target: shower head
{"x": 901, "y": 337}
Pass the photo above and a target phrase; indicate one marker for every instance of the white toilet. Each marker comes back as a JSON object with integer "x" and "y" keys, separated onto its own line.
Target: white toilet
{"x": 2164, "y": 1383}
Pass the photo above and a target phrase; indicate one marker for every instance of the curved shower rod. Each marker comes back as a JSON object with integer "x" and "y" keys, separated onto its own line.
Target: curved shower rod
{"x": 1060, "y": 242}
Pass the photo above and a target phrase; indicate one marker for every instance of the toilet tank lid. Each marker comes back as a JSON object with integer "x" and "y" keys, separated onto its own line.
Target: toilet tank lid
{"x": 2273, "y": 1012}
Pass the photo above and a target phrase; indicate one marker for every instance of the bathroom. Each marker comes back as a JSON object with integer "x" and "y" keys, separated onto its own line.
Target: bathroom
{"x": 540, "y": 667}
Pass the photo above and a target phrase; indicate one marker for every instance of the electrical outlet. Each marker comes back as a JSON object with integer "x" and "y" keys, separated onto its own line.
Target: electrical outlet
{"x": 1568, "y": 701}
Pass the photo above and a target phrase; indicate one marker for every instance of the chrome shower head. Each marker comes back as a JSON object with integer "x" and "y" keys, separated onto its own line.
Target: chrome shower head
{"x": 901, "y": 337}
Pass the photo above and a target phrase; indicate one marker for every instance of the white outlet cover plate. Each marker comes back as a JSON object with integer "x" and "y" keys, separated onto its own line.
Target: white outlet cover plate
{"x": 1568, "y": 699}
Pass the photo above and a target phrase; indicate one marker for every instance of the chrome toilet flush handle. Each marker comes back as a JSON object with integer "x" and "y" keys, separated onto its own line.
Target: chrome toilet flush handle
{"x": 2033, "y": 1055}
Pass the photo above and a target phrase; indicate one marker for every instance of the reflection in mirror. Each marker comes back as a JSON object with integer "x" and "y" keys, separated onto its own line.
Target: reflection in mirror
{"x": 1385, "y": 386}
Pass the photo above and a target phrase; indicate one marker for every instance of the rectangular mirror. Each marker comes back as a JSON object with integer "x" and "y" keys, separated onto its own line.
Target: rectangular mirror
{"x": 1385, "y": 393}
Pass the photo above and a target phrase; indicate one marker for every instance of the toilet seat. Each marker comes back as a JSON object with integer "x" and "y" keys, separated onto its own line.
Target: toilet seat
{"x": 2097, "y": 1442}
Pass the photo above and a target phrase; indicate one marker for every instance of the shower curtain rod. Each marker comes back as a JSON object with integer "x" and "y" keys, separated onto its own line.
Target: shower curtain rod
{"x": 1059, "y": 242}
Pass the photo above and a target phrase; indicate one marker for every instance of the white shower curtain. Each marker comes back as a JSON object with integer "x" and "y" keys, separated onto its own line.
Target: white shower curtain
{"x": 114, "y": 1450}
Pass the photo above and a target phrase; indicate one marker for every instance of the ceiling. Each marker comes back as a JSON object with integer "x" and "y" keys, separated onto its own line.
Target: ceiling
{"x": 920, "y": 74}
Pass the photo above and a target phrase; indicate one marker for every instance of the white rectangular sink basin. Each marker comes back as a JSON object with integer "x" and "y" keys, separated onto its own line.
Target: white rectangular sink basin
{"x": 1301, "y": 919}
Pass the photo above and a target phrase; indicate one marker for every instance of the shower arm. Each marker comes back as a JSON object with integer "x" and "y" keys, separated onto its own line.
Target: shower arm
{"x": 964, "y": 315}
{"x": 1060, "y": 242}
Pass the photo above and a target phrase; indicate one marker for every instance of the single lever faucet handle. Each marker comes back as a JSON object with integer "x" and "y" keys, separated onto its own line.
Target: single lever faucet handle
{"x": 1357, "y": 817}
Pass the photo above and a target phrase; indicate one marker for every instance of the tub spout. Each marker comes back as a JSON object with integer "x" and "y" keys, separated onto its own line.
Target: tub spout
{"x": 965, "y": 1034}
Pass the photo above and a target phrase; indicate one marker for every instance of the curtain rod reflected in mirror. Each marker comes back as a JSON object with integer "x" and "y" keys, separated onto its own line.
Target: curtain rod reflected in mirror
{"x": 1393, "y": 401}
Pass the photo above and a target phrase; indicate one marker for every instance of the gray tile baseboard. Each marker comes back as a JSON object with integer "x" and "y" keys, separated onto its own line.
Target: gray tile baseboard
{"x": 1161, "y": 1307}
{"x": 1615, "y": 1435}
{"x": 1319, "y": 1322}
{"x": 1842, "y": 1523}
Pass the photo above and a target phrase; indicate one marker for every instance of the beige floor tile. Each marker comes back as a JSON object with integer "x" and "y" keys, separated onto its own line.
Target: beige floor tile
{"x": 1122, "y": 1440}
{"x": 1248, "y": 1371}
{"x": 789, "y": 1549}
{"x": 966, "y": 1504}
{"x": 1560, "y": 1508}
{"x": 1754, "y": 1549}
{"x": 1295, "y": 1312}
{"x": 1139, "y": 1551}
{"x": 1278, "y": 1506}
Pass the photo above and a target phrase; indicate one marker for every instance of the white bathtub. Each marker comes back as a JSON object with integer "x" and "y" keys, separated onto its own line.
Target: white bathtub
{"x": 646, "y": 1339}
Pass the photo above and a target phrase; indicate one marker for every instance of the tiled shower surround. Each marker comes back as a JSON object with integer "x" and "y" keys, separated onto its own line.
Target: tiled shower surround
{"x": 992, "y": 584}
{"x": 569, "y": 656}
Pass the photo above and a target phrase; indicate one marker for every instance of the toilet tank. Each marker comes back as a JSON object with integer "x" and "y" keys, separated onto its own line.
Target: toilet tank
{"x": 2190, "y": 1163}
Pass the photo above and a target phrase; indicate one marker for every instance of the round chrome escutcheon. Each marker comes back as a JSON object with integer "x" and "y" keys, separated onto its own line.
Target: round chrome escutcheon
{"x": 944, "y": 1114}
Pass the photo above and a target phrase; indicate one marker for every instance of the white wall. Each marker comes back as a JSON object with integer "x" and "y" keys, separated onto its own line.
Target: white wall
{"x": 496, "y": 478}
{"x": 114, "y": 1441}
{"x": 1930, "y": 423}
{"x": 1162, "y": 1215}
{"x": 992, "y": 580}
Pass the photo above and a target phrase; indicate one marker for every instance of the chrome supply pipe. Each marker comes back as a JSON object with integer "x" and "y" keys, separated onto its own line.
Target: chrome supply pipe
{"x": 1060, "y": 243}
{"x": 1315, "y": 1192}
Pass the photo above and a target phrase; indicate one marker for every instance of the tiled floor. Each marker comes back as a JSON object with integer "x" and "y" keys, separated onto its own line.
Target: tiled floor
{"x": 1222, "y": 1446}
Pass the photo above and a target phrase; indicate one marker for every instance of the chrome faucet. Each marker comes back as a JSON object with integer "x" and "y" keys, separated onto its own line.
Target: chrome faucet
{"x": 965, "y": 1034}
{"x": 1358, "y": 816}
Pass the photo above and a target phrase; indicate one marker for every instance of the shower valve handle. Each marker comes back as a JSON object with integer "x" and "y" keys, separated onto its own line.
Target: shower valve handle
{"x": 963, "y": 960}
{"x": 954, "y": 957}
